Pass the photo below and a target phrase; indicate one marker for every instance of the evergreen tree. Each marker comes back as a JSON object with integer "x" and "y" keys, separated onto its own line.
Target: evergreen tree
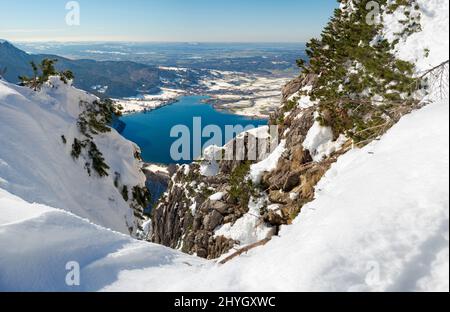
{"x": 98, "y": 161}
{"x": 359, "y": 80}
{"x": 47, "y": 69}
{"x": 95, "y": 119}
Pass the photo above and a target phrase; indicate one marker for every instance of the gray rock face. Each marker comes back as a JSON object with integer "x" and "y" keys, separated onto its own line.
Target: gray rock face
{"x": 220, "y": 206}
{"x": 292, "y": 180}
{"x": 177, "y": 225}
{"x": 212, "y": 220}
{"x": 291, "y": 88}
{"x": 186, "y": 217}
{"x": 157, "y": 183}
{"x": 295, "y": 85}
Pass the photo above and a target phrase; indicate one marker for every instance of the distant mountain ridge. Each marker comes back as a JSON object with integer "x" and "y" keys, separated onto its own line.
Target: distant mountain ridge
{"x": 121, "y": 78}
{"x": 145, "y": 69}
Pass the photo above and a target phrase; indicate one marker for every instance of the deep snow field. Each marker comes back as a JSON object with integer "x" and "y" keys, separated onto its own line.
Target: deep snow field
{"x": 380, "y": 220}
{"x": 36, "y": 165}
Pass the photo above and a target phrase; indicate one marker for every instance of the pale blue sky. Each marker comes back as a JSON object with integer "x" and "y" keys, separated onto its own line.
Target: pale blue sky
{"x": 166, "y": 20}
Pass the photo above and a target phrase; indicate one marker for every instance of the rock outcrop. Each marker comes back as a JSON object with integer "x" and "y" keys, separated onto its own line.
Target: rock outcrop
{"x": 351, "y": 90}
{"x": 189, "y": 215}
{"x": 157, "y": 182}
{"x": 293, "y": 86}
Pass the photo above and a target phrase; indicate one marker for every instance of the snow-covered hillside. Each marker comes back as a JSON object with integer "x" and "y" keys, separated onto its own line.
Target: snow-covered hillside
{"x": 38, "y": 241}
{"x": 378, "y": 219}
{"x": 36, "y": 163}
{"x": 380, "y": 222}
{"x": 428, "y": 47}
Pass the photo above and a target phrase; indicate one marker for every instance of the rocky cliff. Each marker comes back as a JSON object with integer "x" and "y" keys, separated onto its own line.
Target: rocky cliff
{"x": 352, "y": 89}
{"x": 202, "y": 211}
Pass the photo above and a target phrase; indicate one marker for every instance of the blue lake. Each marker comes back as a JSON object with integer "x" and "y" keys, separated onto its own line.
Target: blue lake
{"x": 151, "y": 130}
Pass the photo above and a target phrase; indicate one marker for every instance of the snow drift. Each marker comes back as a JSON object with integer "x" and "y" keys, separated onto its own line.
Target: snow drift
{"x": 380, "y": 222}
{"x": 36, "y": 165}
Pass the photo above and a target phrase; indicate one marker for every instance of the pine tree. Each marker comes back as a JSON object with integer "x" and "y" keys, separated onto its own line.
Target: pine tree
{"x": 47, "y": 69}
{"x": 353, "y": 69}
{"x": 98, "y": 161}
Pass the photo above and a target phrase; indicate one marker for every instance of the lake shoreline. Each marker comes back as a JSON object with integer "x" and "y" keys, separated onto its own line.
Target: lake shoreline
{"x": 249, "y": 95}
{"x": 217, "y": 104}
{"x": 152, "y": 130}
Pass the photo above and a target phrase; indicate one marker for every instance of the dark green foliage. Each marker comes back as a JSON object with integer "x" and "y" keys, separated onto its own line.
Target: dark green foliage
{"x": 42, "y": 73}
{"x": 95, "y": 119}
{"x": 141, "y": 196}
{"x": 137, "y": 155}
{"x": 193, "y": 175}
{"x": 66, "y": 75}
{"x": 77, "y": 147}
{"x": 89, "y": 124}
{"x": 98, "y": 162}
{"x": 280, "y": 119}
{"x": 116, "y": 179}
{"x": 352, "y": 70}
{"x": 206, "y": 192}
{"x": 290, "y": 105}
{"x": 241, "y": 189}
{"x": 33, "y": 82}
{"x": 125, "y": 193}
{"x": 412, "y": 19}
{"x": 48, "y": 69}
{"x": 287, "y": 107}
{"x": 301, "y": 63}
{"x": 87, "y": 166}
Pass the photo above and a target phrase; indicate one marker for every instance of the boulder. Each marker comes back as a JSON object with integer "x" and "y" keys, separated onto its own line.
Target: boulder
{"x": 291, "y": 88}
{"x": 212, "y": 220}
{"x": 292, "y": 180}
{"x": 278, "y": 197}
{"x": 220, "y": 207}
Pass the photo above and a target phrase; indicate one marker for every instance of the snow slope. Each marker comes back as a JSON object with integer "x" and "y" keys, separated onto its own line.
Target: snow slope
{"x": 380, "y": 222}
{"x": 432, "y": 38}
{"x": 37, "y": 242}
{"x": 37, "y": 166}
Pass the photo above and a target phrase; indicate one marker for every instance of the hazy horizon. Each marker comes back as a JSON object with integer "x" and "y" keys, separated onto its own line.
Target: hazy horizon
{"x": 202, "y": 21}
{"x": 157, "y": 42}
